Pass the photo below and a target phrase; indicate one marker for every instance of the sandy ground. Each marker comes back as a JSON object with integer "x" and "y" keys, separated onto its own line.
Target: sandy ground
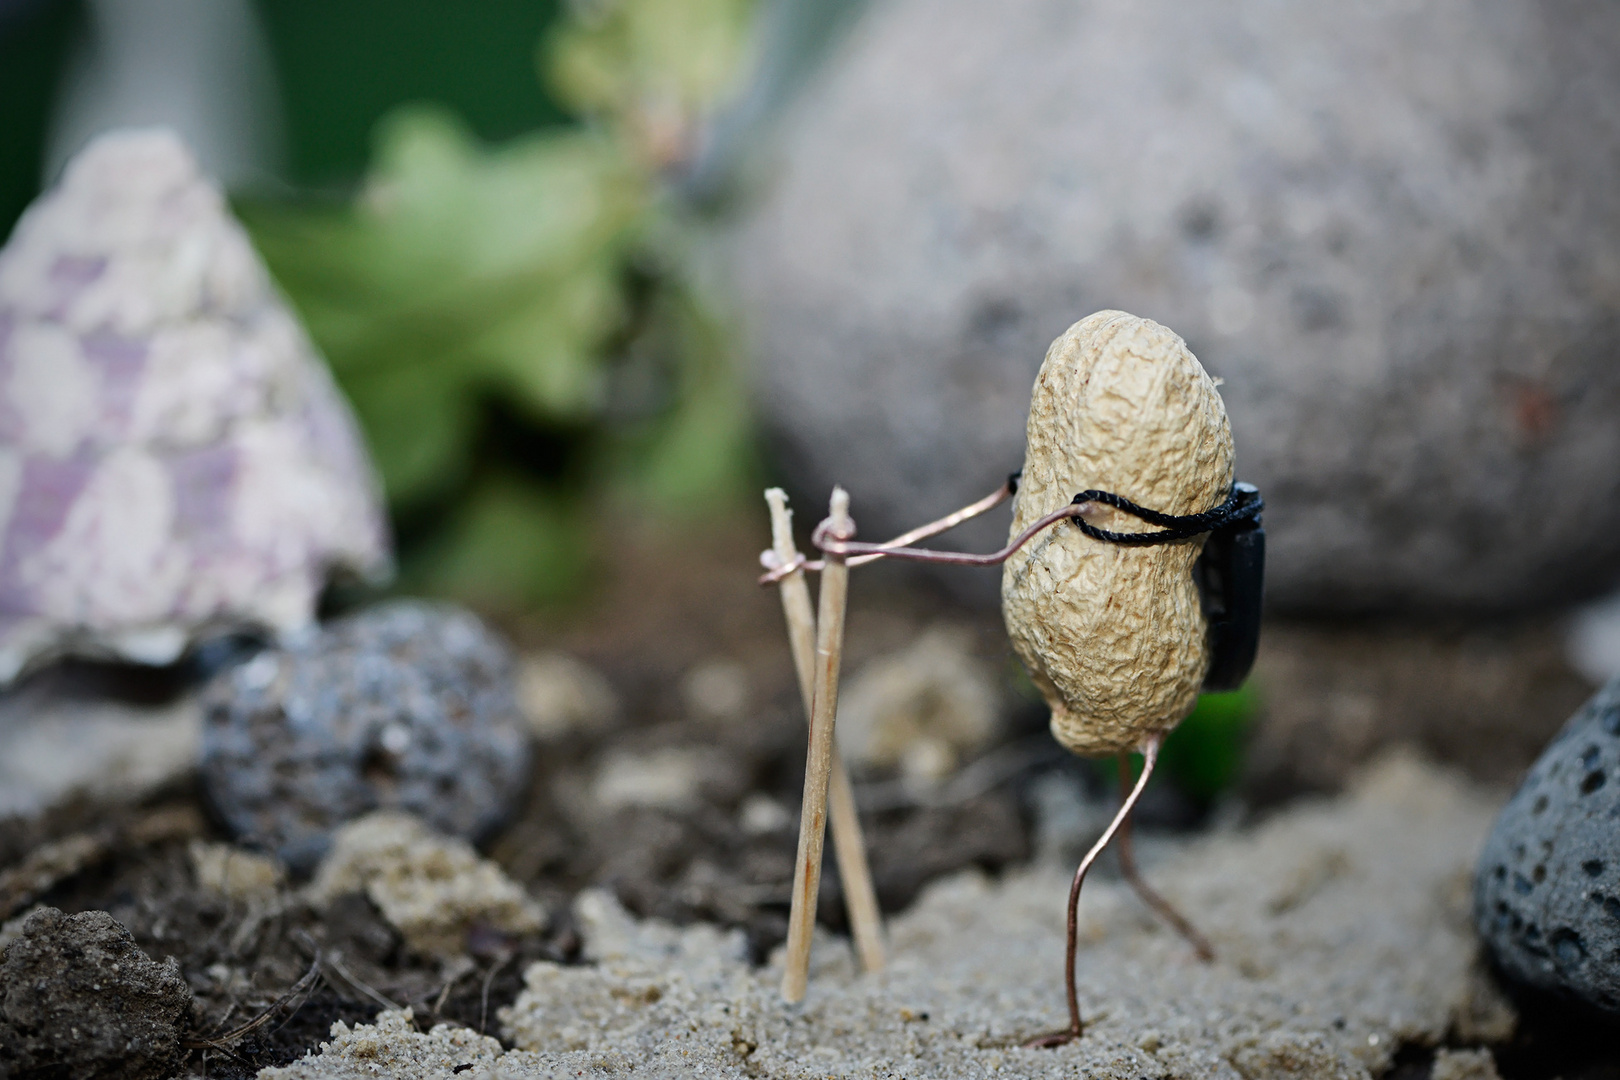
{"x": 1341, "y": 928}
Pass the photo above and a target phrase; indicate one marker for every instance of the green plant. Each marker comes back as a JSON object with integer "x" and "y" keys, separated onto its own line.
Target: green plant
{"x": 522, "y": 329}
{"x": 1204, "y": 754}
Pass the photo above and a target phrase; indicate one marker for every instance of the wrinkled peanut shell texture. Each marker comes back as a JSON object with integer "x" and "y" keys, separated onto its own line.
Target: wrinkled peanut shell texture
{"x": 1114, "y": 636}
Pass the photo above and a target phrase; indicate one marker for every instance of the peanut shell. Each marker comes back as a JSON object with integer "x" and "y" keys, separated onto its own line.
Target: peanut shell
{"x": 1115, "y": 636}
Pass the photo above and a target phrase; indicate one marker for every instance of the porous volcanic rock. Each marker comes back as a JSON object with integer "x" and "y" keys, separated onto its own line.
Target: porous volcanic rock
{"x": 1547, "y": 892}
{"x": 1391, "y": 228}
{"x": 79, "y": 998}
{"x": 174, "y": 457}
{"x": 407, "y": 706}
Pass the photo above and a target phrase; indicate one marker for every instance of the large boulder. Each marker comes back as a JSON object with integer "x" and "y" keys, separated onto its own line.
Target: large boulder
{"x": 1392, "y": 228}
{"x": 175, "y": 459}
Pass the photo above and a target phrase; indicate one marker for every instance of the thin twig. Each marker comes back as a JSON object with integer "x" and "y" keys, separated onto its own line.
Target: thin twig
{"x": 463, "y": 967}
{"x": 818, "y": 762}
{"x": 349, "y": 977}
{"x": 849, "y": 846}
{"x": 483, "y": 997}
{"x": 223, "y": 1042}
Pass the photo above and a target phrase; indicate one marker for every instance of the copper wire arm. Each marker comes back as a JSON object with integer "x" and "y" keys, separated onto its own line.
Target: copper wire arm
{"x": 776, "y": 570}
{"x": 1243, "y": 502}
{"x": 948, "y": 522}
{"x": 955, "y": 558}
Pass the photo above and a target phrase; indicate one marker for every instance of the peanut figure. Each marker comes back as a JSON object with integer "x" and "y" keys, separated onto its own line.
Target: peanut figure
{"x": 1115, "y": 635}
{"x": 1112, "y": 634}
{"x": 1149, "y": 594}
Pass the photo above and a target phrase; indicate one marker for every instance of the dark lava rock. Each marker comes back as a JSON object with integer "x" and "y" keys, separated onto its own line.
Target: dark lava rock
{"x": 406, "y": 705}
{"x": 1547, "y": 892}
{"x": 79, "y": 999}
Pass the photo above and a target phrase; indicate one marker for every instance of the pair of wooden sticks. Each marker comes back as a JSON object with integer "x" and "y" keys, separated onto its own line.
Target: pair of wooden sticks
{"x": 817, "y": 641}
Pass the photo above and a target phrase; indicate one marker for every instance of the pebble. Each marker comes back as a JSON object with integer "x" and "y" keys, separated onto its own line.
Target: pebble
{"x": 79, "y": 998}
{"x": 235, "y": 874}
{"x": 406, "y": 705}
{"x": 920, "y": 710}
{"x": 670, "y": 778}
{"x": 433, "y": 889}
{"x": 1547, "y": 889}
{"x": 761, "y": 815}
{"x": 716, "y": 690}
{"x": 1593, "y": 639}
{"x": 560, "y": 695}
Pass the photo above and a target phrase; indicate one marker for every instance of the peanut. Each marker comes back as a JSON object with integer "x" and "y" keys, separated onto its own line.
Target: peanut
{"x": 1114, "y": 636}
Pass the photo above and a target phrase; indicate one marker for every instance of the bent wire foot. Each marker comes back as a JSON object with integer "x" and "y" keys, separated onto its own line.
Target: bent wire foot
{"x": 1151, "y": 896}
{"x": 1150, "y": 757}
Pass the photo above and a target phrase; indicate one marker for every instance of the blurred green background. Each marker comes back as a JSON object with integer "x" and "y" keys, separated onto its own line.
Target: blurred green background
{"x": 341, "y": 66}
{"x": 478, "y": 211}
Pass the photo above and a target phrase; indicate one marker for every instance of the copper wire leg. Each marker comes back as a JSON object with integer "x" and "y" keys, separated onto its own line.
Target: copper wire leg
{"x": 1162, "y": 907}
{"x": 1150, "y": 757}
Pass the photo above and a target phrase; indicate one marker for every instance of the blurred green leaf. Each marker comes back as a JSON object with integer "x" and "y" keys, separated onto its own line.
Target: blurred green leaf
{"x": 508, "y": 546}
{"x": 699, "y": 451}
{"x": 419, "y": 421}
{"x": 462, "y": 270}
{"x": 1204, "y": 754}
{"x": 652, "y": 66}
{"x": 521, "y": 328}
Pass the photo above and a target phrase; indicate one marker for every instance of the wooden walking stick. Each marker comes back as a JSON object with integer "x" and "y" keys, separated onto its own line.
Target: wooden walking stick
{"x": 818, "y": 762}
{"x": 849, "y": 847}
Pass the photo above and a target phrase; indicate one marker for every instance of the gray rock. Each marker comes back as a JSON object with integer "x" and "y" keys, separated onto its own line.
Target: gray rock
{"x": 79, "y": 998}
{"x": 1547, "y": 891}
{"x": 1390, "y": 227}
{"x": 175, "y": 460}
{"x": 62, "y": 736}
{"x": 405, "y": 706}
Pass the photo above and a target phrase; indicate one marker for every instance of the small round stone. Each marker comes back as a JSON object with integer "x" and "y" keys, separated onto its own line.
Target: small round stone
{"x": 1547, "y": 891}
{"x": 404, "y": 706}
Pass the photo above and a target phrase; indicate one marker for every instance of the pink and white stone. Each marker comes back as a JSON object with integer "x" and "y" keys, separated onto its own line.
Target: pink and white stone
{"x": 175, "y": 459}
